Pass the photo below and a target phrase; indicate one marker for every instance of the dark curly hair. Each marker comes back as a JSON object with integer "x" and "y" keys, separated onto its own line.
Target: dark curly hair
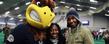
{"x": 49, "y": 30}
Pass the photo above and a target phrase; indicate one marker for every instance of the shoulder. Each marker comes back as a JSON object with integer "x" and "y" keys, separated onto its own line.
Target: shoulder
{"x": 18, "y": 34}
{"x": 21, "y": 27}
{"x": 84, "y": 29}
{"x": 85, "y": 32}
{"x": 19, "y": 30}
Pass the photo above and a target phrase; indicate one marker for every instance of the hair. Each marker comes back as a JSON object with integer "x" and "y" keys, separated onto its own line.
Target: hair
{"x": 49, "y": 30}
{"x": 61, "y": 38}
{"x": 52, "y": 25}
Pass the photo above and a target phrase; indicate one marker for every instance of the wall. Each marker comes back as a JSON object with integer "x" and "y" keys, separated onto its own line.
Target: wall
{"x": 95, "y": 21}
{"x": 100, "y": 21}
{"x": 108, "y": 23}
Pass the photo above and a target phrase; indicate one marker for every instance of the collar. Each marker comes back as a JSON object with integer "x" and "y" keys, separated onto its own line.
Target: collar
{"x": 75, "y": 29}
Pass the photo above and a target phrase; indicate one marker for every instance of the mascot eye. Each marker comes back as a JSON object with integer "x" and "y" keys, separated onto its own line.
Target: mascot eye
{"x": 34, "y": 15}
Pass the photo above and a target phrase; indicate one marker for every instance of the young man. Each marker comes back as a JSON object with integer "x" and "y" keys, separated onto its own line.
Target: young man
{"x": 76, "y": 33}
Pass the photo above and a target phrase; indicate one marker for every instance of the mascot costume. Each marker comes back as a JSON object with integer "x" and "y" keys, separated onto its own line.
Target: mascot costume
{"x": 39, "y": 17}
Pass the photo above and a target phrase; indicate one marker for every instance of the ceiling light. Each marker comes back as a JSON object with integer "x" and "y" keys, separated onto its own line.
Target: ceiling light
{"x": 77, "y": 4}
{"x": 92, "y": 7}
{"x": 7, "y": 12}
{"x": 16, "y": 8}
{"x": 21, "y": 20}
{"x": 79, "y": 9}
{"x": 106, "y": 14}
{"x": 62, "y": 2}
{"x": 93, "y": 1}
{"x": 1, "y": 2}
{"x": 67, "y": 6}
{"x": 28, "y": 3}
{"x": 11, "y": 18}
{"x": 19, "y": 15}
{"x": 91, "y": 11}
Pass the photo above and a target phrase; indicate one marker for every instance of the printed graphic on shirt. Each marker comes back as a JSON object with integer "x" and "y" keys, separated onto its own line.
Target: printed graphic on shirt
{"x": 10, "y": 38}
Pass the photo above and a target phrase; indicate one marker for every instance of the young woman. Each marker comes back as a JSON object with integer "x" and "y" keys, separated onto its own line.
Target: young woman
{"x": 54, "y": 35}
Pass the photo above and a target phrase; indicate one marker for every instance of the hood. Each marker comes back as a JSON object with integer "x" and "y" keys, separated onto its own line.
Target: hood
{"x": 73, "y": 13}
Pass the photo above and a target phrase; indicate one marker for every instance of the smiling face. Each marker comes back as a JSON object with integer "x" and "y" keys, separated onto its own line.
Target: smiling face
{"x": 72, "y": 21}
{"x": 54, "y": 31}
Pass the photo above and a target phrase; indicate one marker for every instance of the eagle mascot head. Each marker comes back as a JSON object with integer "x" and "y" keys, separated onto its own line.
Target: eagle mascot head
{"x": 40, "y": 16}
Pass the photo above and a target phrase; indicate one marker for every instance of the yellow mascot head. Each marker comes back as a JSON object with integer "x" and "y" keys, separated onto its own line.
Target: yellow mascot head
{"x": 39, "y": 17}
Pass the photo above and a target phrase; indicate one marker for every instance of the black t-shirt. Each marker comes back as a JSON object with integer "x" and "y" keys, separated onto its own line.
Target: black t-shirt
{"x": 22, "y": 35}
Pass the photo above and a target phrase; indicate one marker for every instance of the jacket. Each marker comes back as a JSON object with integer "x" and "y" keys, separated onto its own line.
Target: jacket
{"x": 61, "y": 40}
{"x": 22, "y": 35}
{"x": 80, "y": 35}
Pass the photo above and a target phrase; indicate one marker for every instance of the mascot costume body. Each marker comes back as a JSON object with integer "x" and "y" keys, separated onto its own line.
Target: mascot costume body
{"x": 38, "y": 18}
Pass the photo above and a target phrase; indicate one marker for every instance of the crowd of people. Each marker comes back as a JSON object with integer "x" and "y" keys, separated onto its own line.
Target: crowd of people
{"x": 101, "y": 35}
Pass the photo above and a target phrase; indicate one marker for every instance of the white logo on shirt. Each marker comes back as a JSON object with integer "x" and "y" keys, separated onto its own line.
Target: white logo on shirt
{"x": 10, "y": 38}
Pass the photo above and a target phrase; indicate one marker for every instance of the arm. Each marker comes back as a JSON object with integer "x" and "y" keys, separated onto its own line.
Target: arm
{"x": 15, "y": 36}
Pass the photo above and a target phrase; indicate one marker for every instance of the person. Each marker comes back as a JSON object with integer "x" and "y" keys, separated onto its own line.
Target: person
{"x": 65, "y": 33}
{"x": 77, "y": 34}
{"x": 6, "y": 31}
{"x": 106, "y": 37}
{"x": 95, "y": 35}
{"x": 33, "y": 31}
{"x": 54, "y": 34}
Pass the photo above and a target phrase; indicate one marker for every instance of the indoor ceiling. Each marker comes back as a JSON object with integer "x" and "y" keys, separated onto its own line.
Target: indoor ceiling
{"x": 10, "y": 5}
{"x": 95, "y": 6}
{"x": 13, "y": 7}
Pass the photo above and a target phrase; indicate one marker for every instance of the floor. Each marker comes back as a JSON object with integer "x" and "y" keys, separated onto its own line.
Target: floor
{"x": 99, "y": 41}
